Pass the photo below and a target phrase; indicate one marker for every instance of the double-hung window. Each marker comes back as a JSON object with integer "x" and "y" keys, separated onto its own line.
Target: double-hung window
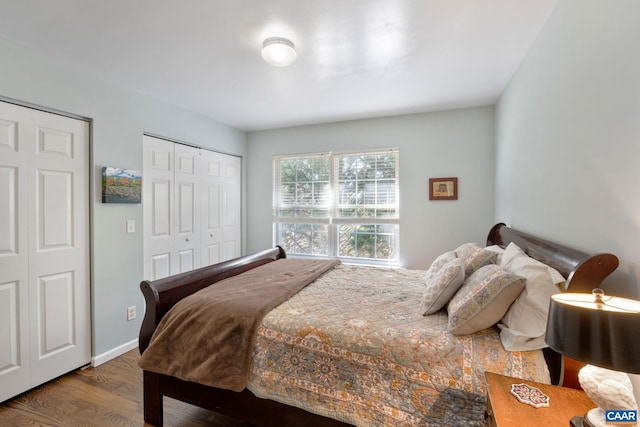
{"x": 341, "y": 205}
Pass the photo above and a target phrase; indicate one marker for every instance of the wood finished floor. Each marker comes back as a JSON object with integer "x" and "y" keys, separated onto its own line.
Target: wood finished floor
{"x": 108, "y": 395}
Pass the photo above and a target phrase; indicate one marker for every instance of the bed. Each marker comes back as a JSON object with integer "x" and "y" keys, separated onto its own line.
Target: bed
{"x": 362, "y": 375}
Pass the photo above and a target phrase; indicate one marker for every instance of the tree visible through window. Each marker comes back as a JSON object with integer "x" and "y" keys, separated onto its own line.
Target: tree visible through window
{"x": 338, "y": 204}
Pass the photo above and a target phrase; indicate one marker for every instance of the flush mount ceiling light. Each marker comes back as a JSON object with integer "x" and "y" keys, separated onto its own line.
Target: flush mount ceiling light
{"x": 278, "y": 51}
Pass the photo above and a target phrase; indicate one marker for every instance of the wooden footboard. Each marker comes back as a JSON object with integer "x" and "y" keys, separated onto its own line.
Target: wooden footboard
{"x": 162, "y": 294}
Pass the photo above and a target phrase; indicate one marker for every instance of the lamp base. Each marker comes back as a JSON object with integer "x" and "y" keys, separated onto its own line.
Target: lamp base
{"x": 594, "y": 418}
{"x": 583, "y": 421}
{"x": 607, "y": 389}
{"x": 576, "y": 422}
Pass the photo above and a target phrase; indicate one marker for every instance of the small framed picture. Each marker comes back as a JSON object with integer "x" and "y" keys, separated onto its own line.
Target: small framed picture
{"x": 443, "y": 188}
{"x": 121, "y": 185}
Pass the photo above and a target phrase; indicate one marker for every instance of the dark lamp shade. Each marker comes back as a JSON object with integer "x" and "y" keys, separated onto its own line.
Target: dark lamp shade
{"x": 605, "y": 334}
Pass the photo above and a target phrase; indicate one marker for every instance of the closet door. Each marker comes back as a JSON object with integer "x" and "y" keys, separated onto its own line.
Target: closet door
{"x": 188, "y": 170}
{"x": 14, "y": 257}
{"x": 220, "y": 207}
{"x": 230, "y": 207}
{"x": 45, "y": 322}
{"x": 211, "y": 186}
{"x": 191, "y": 203}
{"x": 157, "y": 201}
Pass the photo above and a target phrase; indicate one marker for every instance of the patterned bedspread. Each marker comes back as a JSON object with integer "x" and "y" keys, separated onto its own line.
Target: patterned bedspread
{"x": 354, "y": 347}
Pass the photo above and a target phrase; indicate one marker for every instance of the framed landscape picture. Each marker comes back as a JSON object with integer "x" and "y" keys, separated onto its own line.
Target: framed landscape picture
{"x": 443, "y": 188}
{"x": 121, "y": 185}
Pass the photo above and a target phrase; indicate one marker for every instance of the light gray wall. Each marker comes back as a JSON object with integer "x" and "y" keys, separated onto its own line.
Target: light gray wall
{"x": 119, "y": 119}
{"x": 568, "y": 135}
{"x": 442, "y": 144}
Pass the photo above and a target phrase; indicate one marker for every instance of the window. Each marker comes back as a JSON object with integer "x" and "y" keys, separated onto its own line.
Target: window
{"x": 338, "y": 205}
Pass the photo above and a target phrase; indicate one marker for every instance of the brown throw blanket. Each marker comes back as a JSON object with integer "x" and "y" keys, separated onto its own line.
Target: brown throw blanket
{"x": 208, "y": 337}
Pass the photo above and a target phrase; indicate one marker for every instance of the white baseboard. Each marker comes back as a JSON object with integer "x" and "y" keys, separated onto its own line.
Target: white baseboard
{"x": 113, "y": 353}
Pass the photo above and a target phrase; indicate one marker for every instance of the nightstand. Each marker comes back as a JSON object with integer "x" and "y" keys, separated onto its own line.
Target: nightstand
{"x": 504, "y": 409}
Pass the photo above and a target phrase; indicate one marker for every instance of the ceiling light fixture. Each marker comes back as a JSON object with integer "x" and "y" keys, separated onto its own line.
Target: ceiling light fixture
{"x": 278, "y": 51}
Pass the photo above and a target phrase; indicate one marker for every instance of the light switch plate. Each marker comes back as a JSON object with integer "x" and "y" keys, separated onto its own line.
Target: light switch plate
{"x": 131, "y": 226}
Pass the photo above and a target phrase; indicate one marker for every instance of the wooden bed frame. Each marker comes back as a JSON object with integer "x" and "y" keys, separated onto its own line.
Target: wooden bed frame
{"x": 583, "y": 271}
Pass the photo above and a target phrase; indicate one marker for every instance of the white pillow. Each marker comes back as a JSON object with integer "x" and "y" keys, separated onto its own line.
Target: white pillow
{"x": 442, "y": 285}
{"x": 524, "y": 325}
{"x": 513, "y": 340}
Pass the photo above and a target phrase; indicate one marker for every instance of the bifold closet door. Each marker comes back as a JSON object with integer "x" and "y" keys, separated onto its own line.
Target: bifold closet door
{"x": 188, "y": 197}
{"x": 158, "y": 207}
{"x": 230, "y": 207}
{"x": 220, "y": 207}
{"x": 45, "y": 323}
{"x": 210, "y": 211}
{"x": 191, "y": 203}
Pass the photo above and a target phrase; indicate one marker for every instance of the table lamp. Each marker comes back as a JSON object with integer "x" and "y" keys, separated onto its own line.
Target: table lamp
{"x": 603, "y": 332}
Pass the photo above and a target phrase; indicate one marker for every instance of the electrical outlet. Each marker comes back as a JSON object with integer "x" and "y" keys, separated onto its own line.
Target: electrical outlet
{"x": 131, "y": 312}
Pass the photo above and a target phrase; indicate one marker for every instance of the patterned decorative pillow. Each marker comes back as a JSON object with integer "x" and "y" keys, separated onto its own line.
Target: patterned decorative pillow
{"x": 439, "y": 262}
{"x": 483, "y": 299}
{"x": 474, "y": 257}
{"x": 497, "y": 250}
{"x": 441, "y": 285}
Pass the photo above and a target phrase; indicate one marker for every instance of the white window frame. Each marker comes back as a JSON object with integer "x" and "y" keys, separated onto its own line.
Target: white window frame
{"x": 332, "y": 221}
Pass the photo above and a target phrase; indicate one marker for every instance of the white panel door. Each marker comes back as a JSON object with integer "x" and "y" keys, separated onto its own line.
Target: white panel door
{"x": 44, "y": 247}
{"x": 159, "y": 258}
{"x": 211, "y": 188}
{"x": 230, "y": 207}
{"x": 187, "y": 202}
{"x": 191, "y": 203}
{"x": 14, "y": 259}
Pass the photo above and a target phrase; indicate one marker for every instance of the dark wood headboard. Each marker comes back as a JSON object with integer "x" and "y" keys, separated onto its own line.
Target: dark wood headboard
{"x": 583, "y": 271}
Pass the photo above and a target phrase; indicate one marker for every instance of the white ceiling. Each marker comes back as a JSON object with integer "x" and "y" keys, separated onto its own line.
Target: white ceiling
{"x": 356, "y": 58}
